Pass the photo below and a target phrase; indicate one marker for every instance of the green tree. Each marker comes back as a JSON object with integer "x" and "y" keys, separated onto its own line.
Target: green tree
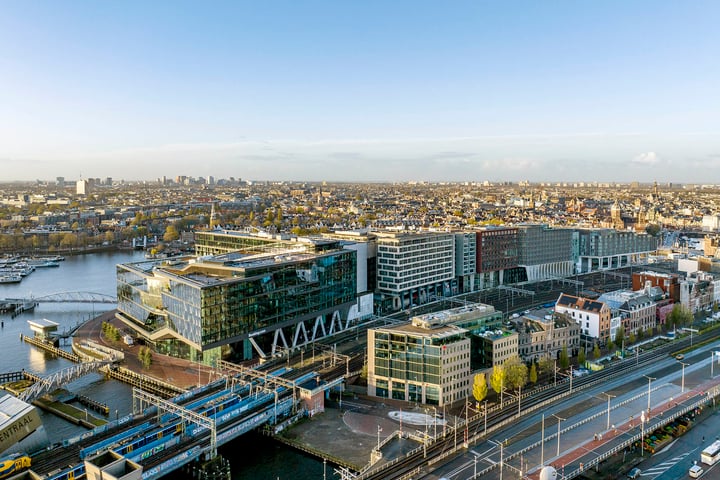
{"x": 564, "y": 359}
{"x": 497, "y": 378}
{"x": 546, "y": 365}
{"x": 620, "y": 336}
{"x": 516, "y": 373}
{"x": 145, "y": 356}
{"x": 581, "y": 357}
{"x": 631, "y": 338}
{"x": 610, "y": 345}
{"x": 679, "y": 316}
{"x": 480, "y": 388}
{"x": 640, "y": 334}
{"x": 533, "y": 373}
{"x": 596, "y": 351}
{"x": 653, "y": 229}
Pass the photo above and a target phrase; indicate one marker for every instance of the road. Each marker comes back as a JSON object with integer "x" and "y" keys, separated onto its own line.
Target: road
{"x": 584, "y": 416}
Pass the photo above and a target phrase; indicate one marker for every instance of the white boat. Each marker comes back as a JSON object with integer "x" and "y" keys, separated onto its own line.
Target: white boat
{"x": 10, "y": 278}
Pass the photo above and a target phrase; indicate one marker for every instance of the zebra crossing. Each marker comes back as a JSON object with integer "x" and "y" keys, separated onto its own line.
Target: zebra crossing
{"x": 661, "y": 468}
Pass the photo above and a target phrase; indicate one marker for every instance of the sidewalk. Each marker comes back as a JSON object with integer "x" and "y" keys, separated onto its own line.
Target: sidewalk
{"x": 629, "y": 427}
{"x": 179, "y": 372}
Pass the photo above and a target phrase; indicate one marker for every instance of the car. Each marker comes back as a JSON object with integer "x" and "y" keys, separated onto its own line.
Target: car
{"x": 679, "y": 356}
{"x": 695, "y": 471}
{"x": 634, "y": 473}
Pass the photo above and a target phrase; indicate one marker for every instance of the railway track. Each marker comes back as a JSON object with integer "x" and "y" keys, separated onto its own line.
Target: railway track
{"x": 498, "y": 417}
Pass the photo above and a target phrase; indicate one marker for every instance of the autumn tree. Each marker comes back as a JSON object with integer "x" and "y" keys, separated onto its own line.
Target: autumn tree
{"x": 533, "y": 373}
{"x": 596, "y": 351}
{"x": 171, "y": 234}
{"x": 516, "y": 373}
{"x": 546, "y": 365}
{"x": 581, "y": 357}
{"x": 497, "y": 378}
{"x": 480, "y": 388}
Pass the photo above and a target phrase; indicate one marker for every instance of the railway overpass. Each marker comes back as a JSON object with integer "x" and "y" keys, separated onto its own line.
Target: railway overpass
{"x": 164, "y": 435}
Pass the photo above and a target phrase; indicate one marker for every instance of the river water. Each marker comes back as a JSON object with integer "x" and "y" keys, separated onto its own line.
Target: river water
{"x": 252, "y": 456}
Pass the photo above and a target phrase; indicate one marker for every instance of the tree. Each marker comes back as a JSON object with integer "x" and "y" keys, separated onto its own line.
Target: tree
{"x": 546, "y": 365}
{"x": 145, "y": 356}
{"x": 171, "y": 234}
{"x": 480, "y": 388}
{"x": 610, "y": 345}
{"x": 596, "y": 351}
{"x": 679, "y": 316}
{"x": 497, "y": 378}
{"x": 653, "y": 229}
{"x": 581, "y": 357}
{"x": 564, "y": 359}
{"x": 640, "y": 334}
{"x": 631, "y": 338}
{"x": 620, "y": 335}
{"x": 516, "y": 373}
{"x": 533, "y": 373}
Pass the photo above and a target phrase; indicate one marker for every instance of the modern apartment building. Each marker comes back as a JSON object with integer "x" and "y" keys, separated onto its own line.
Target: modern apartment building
{"x": 465, "y": 259}
{"x": 496, "y": 346}
{"x": 261, "y": 296}
{"x": 604, "y": 248}
{"x": 414, "y": 268}
{"x": 498, "y": 253}
{"x": 593, "y": 316}
{"x": 423, "y": 362}
{"x": 545, "y": 252}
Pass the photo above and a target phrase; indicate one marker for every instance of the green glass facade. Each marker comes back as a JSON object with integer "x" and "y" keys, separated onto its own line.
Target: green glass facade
{"x": 213, "y": 303}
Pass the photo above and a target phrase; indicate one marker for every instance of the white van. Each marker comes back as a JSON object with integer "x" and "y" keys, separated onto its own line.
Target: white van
{"x": 695, "y": 471}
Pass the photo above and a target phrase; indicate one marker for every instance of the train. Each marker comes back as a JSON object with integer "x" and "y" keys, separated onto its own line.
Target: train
{"x": 143, "y": 441}
{"x": 13, "y": 464}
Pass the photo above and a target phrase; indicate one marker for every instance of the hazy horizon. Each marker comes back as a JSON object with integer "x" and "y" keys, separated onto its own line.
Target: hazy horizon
{"x": 375, "y": 91}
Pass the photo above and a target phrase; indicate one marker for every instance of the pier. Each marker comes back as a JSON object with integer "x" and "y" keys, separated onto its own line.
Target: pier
{"x": 48, "y": 346}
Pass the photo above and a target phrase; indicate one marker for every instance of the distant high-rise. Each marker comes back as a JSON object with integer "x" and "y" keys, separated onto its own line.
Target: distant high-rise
{"x": 60, "y": 182}
{"x": 82, "y": 187}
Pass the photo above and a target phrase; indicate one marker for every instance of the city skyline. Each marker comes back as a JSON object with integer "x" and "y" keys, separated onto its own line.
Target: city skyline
{"x": 470, "y": 91}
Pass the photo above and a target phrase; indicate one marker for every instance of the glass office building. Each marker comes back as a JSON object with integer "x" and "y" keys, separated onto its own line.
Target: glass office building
{"x": 419, "y": 363}
{"x": 206, "y": 304}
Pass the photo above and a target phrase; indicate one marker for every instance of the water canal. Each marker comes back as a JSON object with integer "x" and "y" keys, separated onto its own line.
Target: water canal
{"x": 252, "y": 456}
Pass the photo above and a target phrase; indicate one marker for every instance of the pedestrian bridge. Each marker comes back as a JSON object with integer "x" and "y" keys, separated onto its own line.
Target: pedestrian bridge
{"x": 67, "y": 297}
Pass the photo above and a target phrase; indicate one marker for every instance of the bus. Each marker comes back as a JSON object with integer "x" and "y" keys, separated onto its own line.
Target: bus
{"x": 711, "y": 454}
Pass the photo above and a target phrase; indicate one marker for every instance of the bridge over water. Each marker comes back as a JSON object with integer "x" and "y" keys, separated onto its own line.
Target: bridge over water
{"x": 66, "y": 297}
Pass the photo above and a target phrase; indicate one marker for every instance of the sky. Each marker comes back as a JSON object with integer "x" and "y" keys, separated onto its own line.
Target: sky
{"x": 336, "y": 90}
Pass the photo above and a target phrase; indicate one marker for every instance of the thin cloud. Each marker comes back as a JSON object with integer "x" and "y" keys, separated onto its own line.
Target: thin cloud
{"x": 647, "y": 158}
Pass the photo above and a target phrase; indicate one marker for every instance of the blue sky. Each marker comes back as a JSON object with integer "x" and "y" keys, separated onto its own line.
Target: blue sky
{"x": 361, "y": 91}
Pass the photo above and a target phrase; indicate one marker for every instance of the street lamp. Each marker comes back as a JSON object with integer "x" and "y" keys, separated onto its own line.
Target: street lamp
{"x": 501, "y": 455}
{"x": 608, "y": 409}
{"x": 650, "y": 379}
{"x": 558, "y": 434}
{"x": 682, "y": 385}
{"x": 542, "y": 441}
{"x": 378, "y": 432}
{"x": 642, "y": 434}
{"x": 485, "y": 409}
